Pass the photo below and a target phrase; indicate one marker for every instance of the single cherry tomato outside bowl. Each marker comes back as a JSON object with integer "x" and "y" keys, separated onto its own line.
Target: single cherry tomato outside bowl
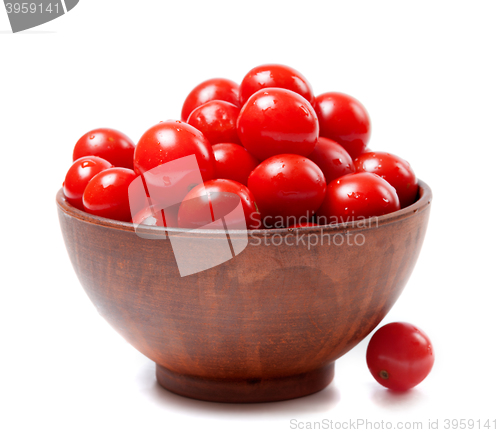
{"x": 288, "y": 189}
{"x": 277, "y": 121}
{"x": 79, "y": 175}
{"x": 106, "y": 195}
{"x": 399, "y": 356}
{"x": 273, "y": 75}
{"x": 209, "y": 90}
{"x": 343, "y": 119}
{"x": 109, "y": 144}
{"x": 394, "y": 170}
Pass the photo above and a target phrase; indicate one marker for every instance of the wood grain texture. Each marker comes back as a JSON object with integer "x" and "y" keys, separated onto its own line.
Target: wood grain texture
{"x": 266, "y": 325}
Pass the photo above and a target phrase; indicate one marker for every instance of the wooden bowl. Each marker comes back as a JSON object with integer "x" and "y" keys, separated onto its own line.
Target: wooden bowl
{"x": 266, "y": 325}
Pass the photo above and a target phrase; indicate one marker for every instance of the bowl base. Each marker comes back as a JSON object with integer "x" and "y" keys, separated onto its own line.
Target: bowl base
{"x": 242, "y": 390}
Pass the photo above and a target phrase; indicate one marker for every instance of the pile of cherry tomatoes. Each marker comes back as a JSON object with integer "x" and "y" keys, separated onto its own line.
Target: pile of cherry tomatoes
{"x": 293, "y": 158}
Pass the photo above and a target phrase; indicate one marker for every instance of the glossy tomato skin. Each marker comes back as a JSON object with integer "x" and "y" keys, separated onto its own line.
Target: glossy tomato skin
{"x": 277, "y": 121}
{"x": 394, "y": 170}
{"x": 106, "y": 195}
{"x": 332, "y": 158}
{"x": 343, "y": 119}
{"x": 288, "y": 189}
{"x": 357, "y": 196}
{"x": 216, "y": 88}
{"x": 198, "y": 209}
{"x": 273, "y": 75}
{"x": 164, "y": 218}
{"x": 233, "y": 162}
{"x": 147, "y": 218}
{"x": 399, "y": 356}
{"x": 79, "y": 175}
{"x": 217, "y": 121}
{"x": 109, "y": 144}
{"x": 171, "y": 140}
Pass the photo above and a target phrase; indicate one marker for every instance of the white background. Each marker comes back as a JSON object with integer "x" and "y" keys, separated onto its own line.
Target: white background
{"x": 428, "y": 73}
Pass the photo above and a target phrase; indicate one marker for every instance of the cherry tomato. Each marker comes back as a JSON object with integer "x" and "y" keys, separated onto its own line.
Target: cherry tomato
{"x": 399, "y": 356}
{"x": 109, "y": 144}
{"x": 282, "y": 76}
{"x": 164, "y": 218}
{"x": 233, "y": 162}
{"x": 79, "y": 175}
{"x": 171, "y": 140}
{"x": 288, "y": 189}
{"x": 344, "y": 120}
{"x": 277, "y": 121}
{"x": 208, "y": 202}
{"x": 217, "y": 121}
{"x": 332, "y": 158}
{"x": 106, "y": 195}
{"x": 146, "y": 217}
{"x": 215, "y": 88}
{"x": 357, "y": 196}
{"x": 394, "y": 170}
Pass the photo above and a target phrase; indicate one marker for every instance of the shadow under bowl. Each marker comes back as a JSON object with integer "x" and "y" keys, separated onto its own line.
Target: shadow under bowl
{"x": 266, "y": 325}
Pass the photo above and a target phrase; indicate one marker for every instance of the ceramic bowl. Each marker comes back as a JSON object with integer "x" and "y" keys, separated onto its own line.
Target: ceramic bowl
{"x": 266, "y": 325}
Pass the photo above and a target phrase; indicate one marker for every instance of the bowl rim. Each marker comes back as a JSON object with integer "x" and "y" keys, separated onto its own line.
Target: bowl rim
{"x": 424, "y": 200}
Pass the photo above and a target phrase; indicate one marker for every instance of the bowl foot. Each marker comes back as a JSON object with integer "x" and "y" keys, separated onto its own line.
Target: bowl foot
{"x": 242, "y": 390}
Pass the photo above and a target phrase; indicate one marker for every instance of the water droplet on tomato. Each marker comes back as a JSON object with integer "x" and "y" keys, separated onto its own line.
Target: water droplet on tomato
{"x": 86, "y": 164}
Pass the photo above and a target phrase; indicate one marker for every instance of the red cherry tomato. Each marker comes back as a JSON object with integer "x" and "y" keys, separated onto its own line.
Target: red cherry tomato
{"x": 147, "y": 218}
{"x": 79, "y": 175}
{"x": 207, "y": 202}
{"x": 109, "y": 144}
{"x": 215, "y": 88}
{"x": 217, "y": 121}
{"x": 233, "y": 162}
{"x": 277, "y": 121}
{"x": 399, "y": 356}
{"x": 288, "y": 189}
{"x": 164, "y": 218}
{"x": 344, "y": 120}
{"x": 171, "y": 140}
{"x": 282, "y": 76}
{"x": 357, "y": 196}
{"x": 332, "y": 158}
{"x": 106, "y": 195}
{"x": 394, "y": 170}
